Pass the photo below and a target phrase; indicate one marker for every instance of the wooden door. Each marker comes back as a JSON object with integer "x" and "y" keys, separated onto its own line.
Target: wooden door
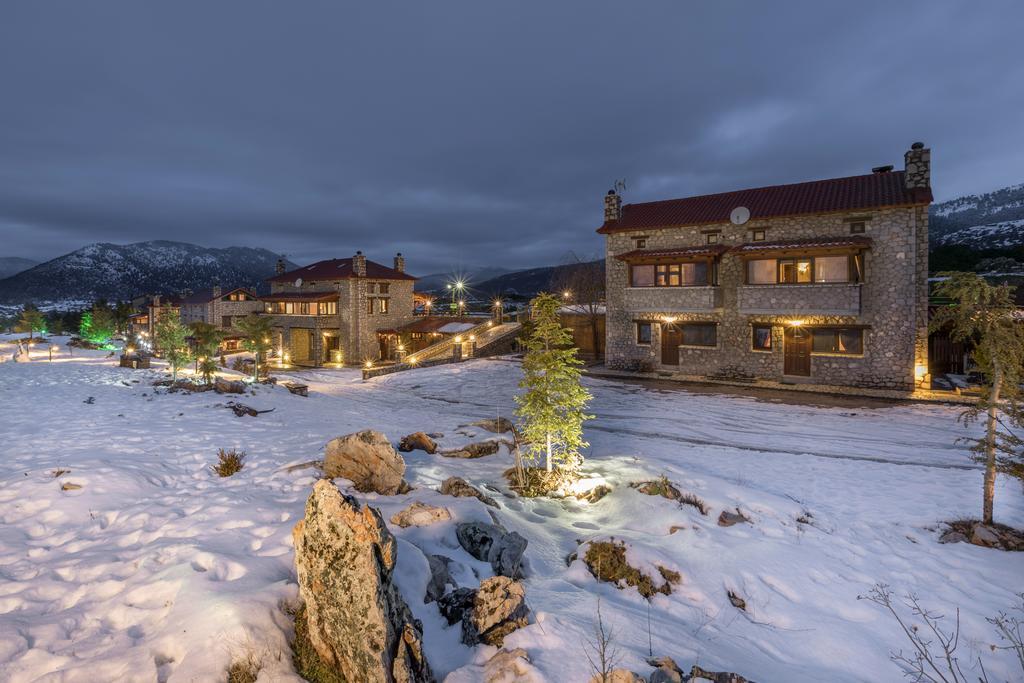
{"x": 671, "y": 338}
{"x": 797, "y": 351}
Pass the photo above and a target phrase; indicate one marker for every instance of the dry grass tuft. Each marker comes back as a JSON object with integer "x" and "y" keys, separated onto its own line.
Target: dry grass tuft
{"x": 228, "y": 462}
{"x": 666, "y": 489}
{"x": 606, "y": 560}
{"x": 59, "y": 471}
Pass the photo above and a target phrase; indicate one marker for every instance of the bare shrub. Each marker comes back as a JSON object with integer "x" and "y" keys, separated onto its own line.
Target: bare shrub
{"x": 228, "y": 462}
{"x": 933, "y": 657}
{"x": 59, "y": 472}
{"x": 606, "y": 560}
{"x": 600, "y": 650}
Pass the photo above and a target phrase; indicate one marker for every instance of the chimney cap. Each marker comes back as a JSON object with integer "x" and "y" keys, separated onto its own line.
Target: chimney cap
{"x": 882, "y": 169}
{"x": 611, "y": 192}
{"x": 359, "y": 252}
{"x": 398, "y": 254}
{"x": 917, "y": 145}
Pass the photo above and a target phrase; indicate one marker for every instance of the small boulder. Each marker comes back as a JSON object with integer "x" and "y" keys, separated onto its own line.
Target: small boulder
{"x": 440, "y": 578}
{"x": 699, "y": 675}
{"x": 368, "y": 460}
{"x": 506, "y": 555}
{"x": 618, "y": 676}
{"x": 666, "y": 671}
{"x": 731, "y": 518}
{"x": 736, "y": 600}
{"x": 474, "y": 450}
{"x": 453, "y": 606}
{"x": 227, "y": 386}
{"x": 420, "y": 514}
{"x": 476, "y": 538}
{"x": 417, "y": 441}
{"x": 510, "y": 666}
{"x": 460, "y": 488}
{"x": 499, "y": 607}
{"x": 499, "y": 425}
{"x": 70, "y": 486}
{"x": 984, "y": 536}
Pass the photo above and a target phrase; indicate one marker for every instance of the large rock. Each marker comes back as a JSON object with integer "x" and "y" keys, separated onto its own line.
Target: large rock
{"x": 985, "y": 536}
{"x": 499, "y": 425}
{"x": 666, "y": 671}
{"x": 417, "y": 441}
{"x": 699, "y": 675}
{"x": 355, "y": 619}
{"x": 460, "y": 488}
{"x": 420, "y": 514}
{"x": 499, "y": 607}
{"x": 228, "y": 386}
{"x": 368, "y": 460}
{"x": 490, "y": 543}
{"x": 728, "y": 518}
{"x": 618, "y": 676}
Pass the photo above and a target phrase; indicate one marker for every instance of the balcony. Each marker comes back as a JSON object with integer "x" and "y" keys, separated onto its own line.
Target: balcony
{"x": 819, "y": 299}
{"x": 672, "y": 299}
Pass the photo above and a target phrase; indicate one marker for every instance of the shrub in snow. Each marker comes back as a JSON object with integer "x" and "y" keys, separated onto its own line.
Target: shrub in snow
{"x": 228, "y": 462}
{"x": 606, "y": 560}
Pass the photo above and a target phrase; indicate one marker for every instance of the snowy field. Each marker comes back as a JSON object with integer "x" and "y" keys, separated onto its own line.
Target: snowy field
{"x": 158, "y": 570}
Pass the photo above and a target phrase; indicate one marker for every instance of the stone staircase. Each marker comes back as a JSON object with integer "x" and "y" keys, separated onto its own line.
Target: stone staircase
{"x": 485, "y": 339}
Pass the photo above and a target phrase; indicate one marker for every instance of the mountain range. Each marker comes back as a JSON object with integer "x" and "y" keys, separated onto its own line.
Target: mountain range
{"x": 964, "y": 232}
{"x": 124, "y": 271}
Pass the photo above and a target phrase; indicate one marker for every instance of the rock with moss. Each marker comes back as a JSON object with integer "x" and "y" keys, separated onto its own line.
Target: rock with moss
{"x": 606, "y": 561}
{"x": 355, "y": 625}
{"x": 460, "y": 488}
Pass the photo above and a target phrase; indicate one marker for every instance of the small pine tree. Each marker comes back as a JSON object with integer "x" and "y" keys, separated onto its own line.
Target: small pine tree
{"x": 207, "y": 340}
{"x": 256, "y": 330}
{"x": 170, "y": 336}
{"x": 97, "y": 325}
{"x": 983, "y": 316}
{"x": 551, "y": 408}
{"x": 31, "y": 321}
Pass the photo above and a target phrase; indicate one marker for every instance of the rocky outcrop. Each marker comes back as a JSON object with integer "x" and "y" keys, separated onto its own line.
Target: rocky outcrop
{"x": 228, "y": 386}
{"x": 417, "y": 441}
{"x": 985, "y": 535}
{"x": 665, "y": 671}
{"x": 420, "y": 514}
{"x": 699, "y": 675}
{"x": 488, "y": 613}
{"x": 460, "y": 488}
{"x": 368, "y": 460}
{"x": 353, "y": 616}
{"x": 618, "y": 676}
{"x": 499, "y": 425}
{"x": 490, "y": 543}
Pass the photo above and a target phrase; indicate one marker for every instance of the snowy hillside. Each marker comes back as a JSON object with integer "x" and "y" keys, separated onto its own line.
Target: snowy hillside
{"x": 117, "y": 272}
{"x": 10, "y": 265}
{"x": 137, "y": 563}
{"x": 970, "y": 220}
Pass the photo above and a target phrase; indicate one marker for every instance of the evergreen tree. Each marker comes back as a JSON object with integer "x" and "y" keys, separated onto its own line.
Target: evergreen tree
{"x": 551, "y": 409}
{"x": 256, "y": 330}
{"x": 170, "y": 337}
{"x": 983, "y": 316}
{"x": 97, "y": 325}
{"x": 207, "y": 340}
{"x": 31, "y": 321}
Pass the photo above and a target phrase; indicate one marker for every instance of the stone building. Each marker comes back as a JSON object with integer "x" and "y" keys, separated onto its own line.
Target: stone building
{"x": 821, "y": 282}
{"x": 220, "y": 308}
{"x": 339, "y": 311}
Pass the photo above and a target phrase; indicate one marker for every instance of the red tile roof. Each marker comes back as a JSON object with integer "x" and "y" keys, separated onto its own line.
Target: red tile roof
{"x": 843, "y": 241}
{"x": 339, "y": 269}
{"x": 679, "y": 252}
{"x": 855, "y": 193}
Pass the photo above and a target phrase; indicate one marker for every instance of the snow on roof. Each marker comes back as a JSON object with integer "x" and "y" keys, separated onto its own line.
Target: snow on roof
{"x": 455, "y": 328}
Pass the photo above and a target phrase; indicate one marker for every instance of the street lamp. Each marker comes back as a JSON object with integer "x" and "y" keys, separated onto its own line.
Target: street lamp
{"x": 52, "y": 349}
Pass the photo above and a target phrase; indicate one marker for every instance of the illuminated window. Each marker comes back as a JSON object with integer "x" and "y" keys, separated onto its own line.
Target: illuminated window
{"x": 795, "y": 271}
{"x": 761, "y": 272}
{"x": 761, "y": 337}
{"x": 832, "y": 269}
{"x": 642, "y": 276}
{"x": 383, "y": 305}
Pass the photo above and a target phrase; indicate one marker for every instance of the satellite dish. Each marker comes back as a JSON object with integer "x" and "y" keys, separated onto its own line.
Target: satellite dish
{"x": 739, "y": 215}
{"x": 298, "y": 282}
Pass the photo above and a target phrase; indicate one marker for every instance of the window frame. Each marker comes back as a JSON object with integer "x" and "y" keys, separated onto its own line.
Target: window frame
{"x": 713, "y": 237}
{"x": 854, "y": 270}
{"x": 383, "y": 305}
{"x": 754, "y": 327}
{"x": 758, "y": 235}
{"x": 836, "y": 331}
{"x": 691, "y": 324}
{"x": 650, "y": 332}
{"x": 664, "y": 272}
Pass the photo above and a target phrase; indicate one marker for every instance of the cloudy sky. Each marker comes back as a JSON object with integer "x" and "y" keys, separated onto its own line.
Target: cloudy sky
{"x": 473, "y": 133}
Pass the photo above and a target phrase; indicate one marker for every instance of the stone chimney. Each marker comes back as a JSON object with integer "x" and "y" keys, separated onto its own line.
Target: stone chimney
{"x": 399, "y": 262}
{"x": 216, "y": 292}
{"x": 359, "y": 264}
{"x": 280, "y": 268}
{"x": 156, "y": 300}
{"x": 612, "y": 206}
{"x": 918, "y": 166}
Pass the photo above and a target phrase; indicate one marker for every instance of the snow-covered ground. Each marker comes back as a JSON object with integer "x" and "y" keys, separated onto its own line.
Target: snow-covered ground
{"x": 156, "y": 569}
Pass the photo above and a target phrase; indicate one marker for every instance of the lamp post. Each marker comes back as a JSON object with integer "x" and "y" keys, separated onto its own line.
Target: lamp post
{"x": 456, "y": 290}
{"x": 52, "y": 349}
{"x": 498, "y": 310}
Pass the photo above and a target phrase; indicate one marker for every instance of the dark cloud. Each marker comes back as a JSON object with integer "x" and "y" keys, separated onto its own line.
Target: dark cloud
{"x": 472, "y": 133}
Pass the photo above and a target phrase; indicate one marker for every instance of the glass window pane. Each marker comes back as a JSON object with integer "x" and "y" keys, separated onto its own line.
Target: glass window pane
{"x": 643, "y": 333}
{"x": 851, "y": 341}
{"x": 831, "y": 269}
{"x": 762, "y": 339}
{"x": 643, "y": 276}
{"x": 824, "y": 341}
{"x": 761, "y": 272}
{"x": 803, "y": 270}
{"x": 699, "y": 335}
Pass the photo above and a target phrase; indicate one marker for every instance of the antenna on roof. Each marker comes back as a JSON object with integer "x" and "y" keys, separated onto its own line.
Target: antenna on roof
{"x": 620, "y": 185}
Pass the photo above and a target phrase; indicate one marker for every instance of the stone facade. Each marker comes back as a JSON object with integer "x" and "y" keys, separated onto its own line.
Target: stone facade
{"x": 889, "y": 303}
{"x": 220, "y": 308}
{"x": 350, "y": 335}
